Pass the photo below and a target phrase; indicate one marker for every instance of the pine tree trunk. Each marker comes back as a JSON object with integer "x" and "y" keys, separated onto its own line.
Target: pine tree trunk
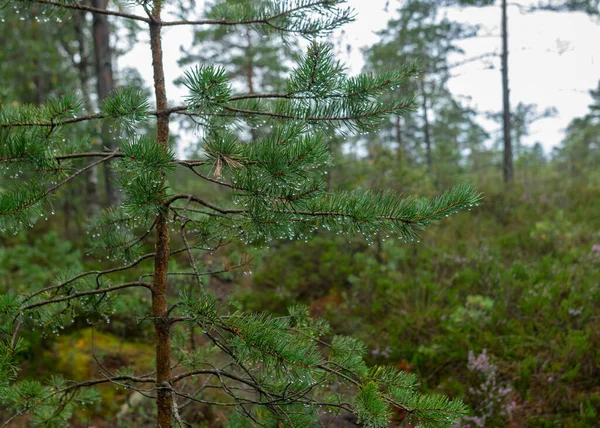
{"x": 508, "y": 156}
{"x": 250, "y": 65}
{"x": 92, "y": 198}
{"x": 105, "y": 84}
{"x": 38, "y": 80}
{"x": 84, "y": 61}
{"x": 162, "y": 325}
{"x": 250, "y": 76}
{"x": 398, "y": 129}
{"x": 426, "y": 126}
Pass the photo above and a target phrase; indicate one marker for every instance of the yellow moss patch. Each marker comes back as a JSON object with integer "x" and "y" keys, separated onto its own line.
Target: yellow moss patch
{"x": 75, "y": 352}
{"x": 74, "y": 358}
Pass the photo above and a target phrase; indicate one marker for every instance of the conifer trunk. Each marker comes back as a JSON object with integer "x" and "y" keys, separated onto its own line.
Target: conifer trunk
{"x": 164, "y": 400}
{"x": 398, "y": 128}
{"x": 426, "y": 126}
{"x": 92, "y": 199}
{"x": 508, "y": 156}
{"x": 105, "y": 84}
{"x": 250, "y": 65}
{"x": 250, "y": 75}
{"x": 39, "y": 81}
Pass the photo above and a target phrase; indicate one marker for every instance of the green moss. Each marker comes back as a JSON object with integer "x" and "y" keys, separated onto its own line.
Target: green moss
{"x": 74, "y": 358}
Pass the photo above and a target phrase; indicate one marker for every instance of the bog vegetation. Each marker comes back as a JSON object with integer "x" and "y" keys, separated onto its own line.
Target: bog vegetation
{"x": 278, "y": 274}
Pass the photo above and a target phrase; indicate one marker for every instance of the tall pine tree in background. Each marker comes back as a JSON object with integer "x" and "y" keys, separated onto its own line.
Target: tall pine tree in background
{"x": 421, "y": 34}
{"x": 274, "y": 371}
{"x": 581, "y": 145}
{"x": 105, "y": 83}
{"x": 44, "y": 56}
{"x": 591, "y": 7}
{"x": 31, "y": 60}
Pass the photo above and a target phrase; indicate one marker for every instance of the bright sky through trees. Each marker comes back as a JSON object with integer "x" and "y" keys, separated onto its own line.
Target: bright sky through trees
{"x": 554, "y": 60}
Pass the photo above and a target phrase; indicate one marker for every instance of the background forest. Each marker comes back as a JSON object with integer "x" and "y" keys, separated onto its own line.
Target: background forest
{"x": 498, "y": 306}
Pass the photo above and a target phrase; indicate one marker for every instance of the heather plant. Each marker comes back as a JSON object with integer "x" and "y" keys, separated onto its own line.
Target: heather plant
{"x": 527, "y": 296}
{"x": 491, "y": 400}
{"x": 272, "y": 370}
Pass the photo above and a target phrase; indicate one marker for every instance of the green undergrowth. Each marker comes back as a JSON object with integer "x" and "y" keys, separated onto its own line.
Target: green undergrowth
{"x": 515, "y": 283}
{"x": 497, "y": 305}
{"x": 33, "y": 259}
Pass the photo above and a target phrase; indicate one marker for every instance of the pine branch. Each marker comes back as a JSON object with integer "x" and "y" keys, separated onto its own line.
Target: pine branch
{"x": 298, "y": 12}
{"x": 378, "y": 388}
{"x": 89, "y": 155}
{"x": 366, "y": 212}
{"x": 53, "y": 124}
{"x": 98, "y": 273}
{"x": 203, "y": 202}
{"x": 16, "y": 203}
{"x": 86, "y": 293}
{"x": 396, "y": 109}
{"x": 112, "y": 234}
{"x": 123, "y": 103}
{"x": 76, "y": 5}
{"x": 68, "y": 389}
{"x": 126, "y": 106}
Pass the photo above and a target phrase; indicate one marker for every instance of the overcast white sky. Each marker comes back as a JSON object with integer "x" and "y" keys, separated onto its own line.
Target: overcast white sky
{"x": 554, "y": 60}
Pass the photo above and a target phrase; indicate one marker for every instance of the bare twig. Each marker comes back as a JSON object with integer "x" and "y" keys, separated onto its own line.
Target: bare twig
{"x": 86, "y": 293}
{"x": 78, "y": 6}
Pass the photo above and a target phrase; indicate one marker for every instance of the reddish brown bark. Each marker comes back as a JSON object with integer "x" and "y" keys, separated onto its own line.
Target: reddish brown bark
{"x": 164, "y": 400}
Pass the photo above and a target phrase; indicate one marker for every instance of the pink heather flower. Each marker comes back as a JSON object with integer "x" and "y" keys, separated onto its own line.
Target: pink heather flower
{"x": 491, "y": 396}
{"x": 478, "y": 421}
{"x": 385, "y": 353}
{"x": 376, "y": 351}
{"x": 512, "y": 406}
{"x": 575, "y": 312}
{"x": 481, "y": 363}
{"x": 504, "y": 391}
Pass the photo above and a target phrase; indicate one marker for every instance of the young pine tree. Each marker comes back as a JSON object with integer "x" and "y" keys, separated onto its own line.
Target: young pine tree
{"x": 274, "y": 371}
